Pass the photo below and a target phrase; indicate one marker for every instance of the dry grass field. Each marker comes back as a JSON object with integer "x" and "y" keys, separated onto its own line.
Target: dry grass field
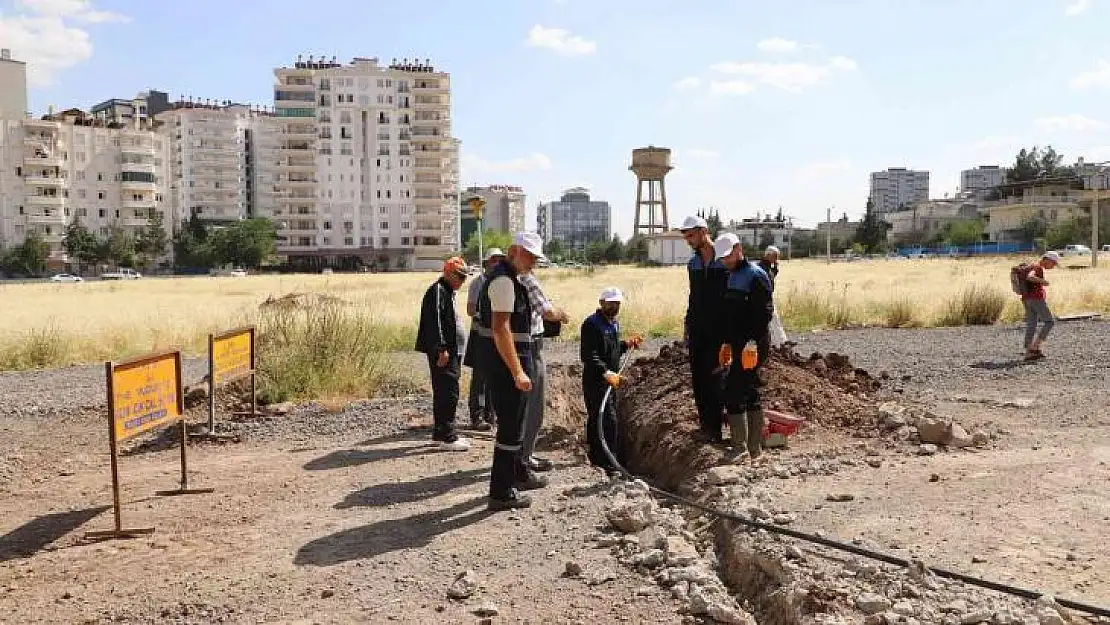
{"x": 55, "y": 324}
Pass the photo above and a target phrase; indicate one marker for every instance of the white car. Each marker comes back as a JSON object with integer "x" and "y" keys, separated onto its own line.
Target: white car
{"x": 1105, "y": 248}
{"x": 1077, "y": 250}
{"x": 65, "y": 277}
{"x": 238, "y": 273}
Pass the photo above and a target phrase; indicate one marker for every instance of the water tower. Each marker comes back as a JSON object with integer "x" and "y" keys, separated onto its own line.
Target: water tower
{"x": 651, "y": 165}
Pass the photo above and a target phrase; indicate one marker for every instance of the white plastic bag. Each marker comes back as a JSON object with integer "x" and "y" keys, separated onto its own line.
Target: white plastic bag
{"x": 776, "y": 331}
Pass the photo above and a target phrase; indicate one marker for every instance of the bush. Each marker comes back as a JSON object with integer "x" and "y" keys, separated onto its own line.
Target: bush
{"x": 900, "y": 312}
{"x": 37, "y": 349}
{"x": 976, "y": 305}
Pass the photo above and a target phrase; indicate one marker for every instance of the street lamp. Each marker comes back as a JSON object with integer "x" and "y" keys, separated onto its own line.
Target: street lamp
{"x": 476, "y": 205}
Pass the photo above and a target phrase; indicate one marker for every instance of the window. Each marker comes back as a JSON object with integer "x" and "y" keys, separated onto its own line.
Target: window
{"x": 100, "y": 177}
{"x": 379, "y": 194}
{"x": 81, "y": 193}
{"x": 349, "y": 241}
{"x": 381, "y": 83}
{"x": 384, "y": 210}
{"x": 405, "y": 225}
{"x": 100, "y": 195}
{"x": 327, "y": 225}
{"x": 101, "y": 211}
{"x": 385, "y": 241}
{"x": 384, "y": 225}
{"x": 388, "y": 194}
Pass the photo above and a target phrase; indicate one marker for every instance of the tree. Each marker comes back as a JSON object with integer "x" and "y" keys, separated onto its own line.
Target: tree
{"x": 28, "y": 258}
{"x": 151, "y": 242}
{"x": 81, "y": 245}
{"x": 555, "y": 251}
{"x": 490, "y": 238}
{"x": 636, "y": 250}
{"x": 766, "y": 239}
{"x": 714, "y": 224}
{"x": 119, "y": 247}
{"x": 595, "y": 252}
{"x": 963, "y": 232}
{"x": 871, "y": 233}
{"x": 1037, "y": 164}
{"x": 614, "y": 251}
{"x": 1033, "y": 228}
{"x": 191, "y": 245}
{"x": 246, "y": 243}
{"x": 1065, "y": 233}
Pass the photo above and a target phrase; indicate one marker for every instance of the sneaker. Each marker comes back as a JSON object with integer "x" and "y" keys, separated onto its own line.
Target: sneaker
{"x": 459, "y": 444}
{"x": 532, "y": 482}
{"x": 539, "y": 464}
{"x": 480, "y": 425}
{"x": 514, "y": 501}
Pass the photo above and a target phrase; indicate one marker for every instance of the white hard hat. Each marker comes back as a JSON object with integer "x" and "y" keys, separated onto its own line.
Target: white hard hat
{"x": 692, "y": 222}
{"x": 531, "y": 242}
{"x": 611, "y": 294}
{"x": 724, "y": 244}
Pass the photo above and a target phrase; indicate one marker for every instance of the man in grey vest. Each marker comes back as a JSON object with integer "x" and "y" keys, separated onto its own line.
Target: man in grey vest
{"x": 481, "y": 409}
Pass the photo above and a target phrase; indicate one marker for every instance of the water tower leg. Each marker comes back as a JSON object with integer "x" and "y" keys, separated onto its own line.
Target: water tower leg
{"x": 639, "y": 200}
{"x": 666, "y": 223}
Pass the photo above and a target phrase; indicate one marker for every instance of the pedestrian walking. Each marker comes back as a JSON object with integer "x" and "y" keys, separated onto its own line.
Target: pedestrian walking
{"x": 504, "y": 352}
{"x": 601, "y": 349}
{"x": 702, "y": 330}
{"x": 770, "y": 264}
{"x": 748, "y": 306}
{"x": 1035, "y": 299}
{"x": 441, "y": 338}
{"x": 542, "y": 310}
{"x": 481, "y": 409}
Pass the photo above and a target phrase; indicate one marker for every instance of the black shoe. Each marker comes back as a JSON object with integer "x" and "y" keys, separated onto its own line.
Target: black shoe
{"x": 514, "y": 501}
{"x": 531, "y": 482}
{"x": 709, "y": 437}
{"x": 539, "y": 464}
{"x": 480, "y": 425}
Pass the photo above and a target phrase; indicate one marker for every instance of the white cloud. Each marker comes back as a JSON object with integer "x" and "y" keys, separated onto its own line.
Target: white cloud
{"x": 730, "y": 87}
{"x": 1073, "y": 122}
{"x": 473, "y": 164}
{"x": 777, "y": 44}
{"x": 42, "y": 35}
{"x": 561, "y": 41}
{"x": 1078, "y": 7}
{"x": 826, "y": 168}
{"x": 688, "y": 83}
{"x": 792, "y": 77}
{"x": 1097, "y": 77}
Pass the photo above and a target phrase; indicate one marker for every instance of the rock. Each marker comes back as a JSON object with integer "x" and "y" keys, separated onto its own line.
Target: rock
{"x": 487, "y": 609}
{"x": 1049, "y": 616}
{"x": 775, "y": 440}
{"x": 905, "y": 608}
{"x": 781, "y": 472}
{"x": 980, "y": 438}
{"x": 680, "y": 552}
{"x": 928, "y": 449}
{"x": 958, "y": 436}
{"x": 631, "y": 516}
{"x": 1019, "y": 402}
{"x": 280, "y": 409}
{"x": 726, "y": 614}
{"x": 652, "y": 559}
{"x": 976, "y": 616}
{"x": 958, "y": 606}
{"x": 1005, "y": 617}
{"x": 875, "y": 619}
{"x": 724, "y": 475}
{"x": 328, "y": 593}
{"x": 783, "y": 519}
{"x": 598, "y": 578}
{"x": 893, "y": 416}
{"x": 645, "y": 591}
{"x": 759, "y": 514}
{"x": 871, "y": 603}
{"x": 573, "y": 569}
{"x": 794, "y": 553}
{"x": 699, "y": 603}
{"x": 932, "y": 430}
{"x": 840, "y": 497}
{"x": 465, "y": 585}
{"x": 874, "y": 463}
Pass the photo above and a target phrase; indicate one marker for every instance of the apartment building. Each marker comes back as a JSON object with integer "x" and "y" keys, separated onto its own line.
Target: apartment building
{"x": 925, "y": 220}
{"x": 575, "y": 220}
{"x": 367, "y": 168}
{"x": 13, "y": 86}
{"x": 124, "y": 112}
{"x": 68, "y": 167}
{"x": 503, "y": 212}
{"x": 982, "y": 180}
{"x": 897, "y": 188}
{"x": 224, "y": 158}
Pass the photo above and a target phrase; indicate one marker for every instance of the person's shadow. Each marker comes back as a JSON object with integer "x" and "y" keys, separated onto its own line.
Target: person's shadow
{"x": 407, "y": 492}
{"x": 1004, "y": 365}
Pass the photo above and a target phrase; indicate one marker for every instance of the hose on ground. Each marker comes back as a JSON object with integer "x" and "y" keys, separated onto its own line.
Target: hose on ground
{"x": 821, "y": 540}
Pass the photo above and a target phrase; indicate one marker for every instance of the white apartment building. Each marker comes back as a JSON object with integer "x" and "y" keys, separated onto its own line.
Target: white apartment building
{"x": 981, "y": 180}
{"x": 13, "y": 86}
{"x": 367, "y": 167}
{"x": 69, "y": 167}
{"x": 223, "y": 164}
{"x": 897, "y": 188}
{"x": 503, "y": 212}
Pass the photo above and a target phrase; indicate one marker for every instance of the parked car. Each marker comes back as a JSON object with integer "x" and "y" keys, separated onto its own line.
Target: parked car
{"x": 65, "y": 277}
{"x": 1105, "y": 248}
{"x": 121, "y": 274}
{"x": 238, "y": 273}
{"x": 1077, "y": 250}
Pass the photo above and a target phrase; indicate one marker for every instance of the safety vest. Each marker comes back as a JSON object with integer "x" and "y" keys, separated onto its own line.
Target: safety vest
{"x": 520, "y": 320}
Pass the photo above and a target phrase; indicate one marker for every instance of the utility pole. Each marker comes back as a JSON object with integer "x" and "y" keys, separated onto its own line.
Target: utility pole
{"x": 828, "y": 235}
{"x": 1094, "y": 224}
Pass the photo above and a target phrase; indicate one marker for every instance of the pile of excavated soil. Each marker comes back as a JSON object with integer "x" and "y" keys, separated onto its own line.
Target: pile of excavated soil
{"x": 658, "y": 418}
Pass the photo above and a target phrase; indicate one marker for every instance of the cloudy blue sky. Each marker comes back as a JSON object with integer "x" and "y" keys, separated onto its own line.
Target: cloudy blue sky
{"x": 764, "y": 103}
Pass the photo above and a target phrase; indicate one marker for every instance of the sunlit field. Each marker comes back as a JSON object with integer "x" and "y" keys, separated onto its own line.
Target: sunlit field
{"x": 52, "y": 324}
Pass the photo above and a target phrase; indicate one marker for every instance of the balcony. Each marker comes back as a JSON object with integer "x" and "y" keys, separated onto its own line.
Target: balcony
{"x": 428, "y": 86}
{"x": 299, "y": 133}
{"x": 40, "y": 124}
{"x": 298, "y": 182}
{"x": 293, "y": 165}
{"x": 297, "y": 83}
{"x": 43, "y": 161}
{"x": 53, "y": 201}
{"x": 136, "y": 148}
{"x": 136, "y": 185}
{"x": 55, "y": 219}
{"x": 133, "y": 222}
{"x": 142, "y": 168}
{"x": 133, "y": 204}
{"x": 53, "y": 182}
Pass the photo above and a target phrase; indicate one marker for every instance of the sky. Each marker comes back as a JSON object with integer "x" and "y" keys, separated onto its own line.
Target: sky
{"x": 765, "y": 104}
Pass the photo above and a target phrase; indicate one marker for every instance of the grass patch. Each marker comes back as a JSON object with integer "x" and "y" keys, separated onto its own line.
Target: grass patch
{"x": 900, "y": 312}
{"x": 976, "y": 305}
{"x": 36, "y": 349}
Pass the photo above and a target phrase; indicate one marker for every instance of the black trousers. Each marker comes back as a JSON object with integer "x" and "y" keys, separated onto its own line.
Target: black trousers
{"x": 707, "y": 385}
{"x": 593, "y": 391}
{"x": 510, "y": 406}
{"x": 481, "y": 408}
{"x": 445, "y": 397}
{"x": 741, "y": 389}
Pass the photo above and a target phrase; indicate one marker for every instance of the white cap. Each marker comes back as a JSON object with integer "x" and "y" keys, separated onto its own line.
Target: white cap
{"x": 692, "y": 222}
{"x": 494, "y": 251}
{"x": 1053, "y": 256}
{"x": 611, "y": 294}
{"x": 531, "y": 242}
{"x": 771, "y": 249}
{"x": 724, "y": 244}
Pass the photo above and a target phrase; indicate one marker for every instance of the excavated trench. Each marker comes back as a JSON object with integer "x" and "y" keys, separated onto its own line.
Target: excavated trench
{"x": 657, "y": 426}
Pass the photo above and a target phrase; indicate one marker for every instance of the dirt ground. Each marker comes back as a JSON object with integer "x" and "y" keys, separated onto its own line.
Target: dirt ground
{"x": 347, "y": 516}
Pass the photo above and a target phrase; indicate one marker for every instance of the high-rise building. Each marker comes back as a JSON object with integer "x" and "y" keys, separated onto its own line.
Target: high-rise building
{"x": 223, "y": 164}
{"x": 13, "y": 86}
{"x": 124, "y": 112}
{"x": 575, "y": 220}
{"x": 898, "y": 188}
{"x": 70, "y": 167}
{"x": 368, "y": 170}
{"x": 982, "y": 180}
{"x": 503, "y": 212}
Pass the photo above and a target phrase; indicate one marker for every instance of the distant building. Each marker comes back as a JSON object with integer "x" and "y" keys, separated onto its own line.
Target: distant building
{"x": 759, "y": 232}
{"x": 13, "y": 86}
{"x": 925, "y": 220}
{"x": 575, "y": 220}
{"x": 668, "y": 248}
{"x": 897, "y": 188}
{"x": 980, "y": 181}
{"x": 841, "y": 232}
{"x": 123, "y": 112}
{"x": 1050, "y": 204}
{"x": 503, "y": 212}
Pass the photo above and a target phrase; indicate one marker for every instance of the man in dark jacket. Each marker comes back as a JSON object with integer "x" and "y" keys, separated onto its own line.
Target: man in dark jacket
{"x": 703, "y": 325}
{"x": 748, "y": 307}
{"x": 441, "y": 337}
{"x": 770, "y": 262}
{"x": 601, "y": 349}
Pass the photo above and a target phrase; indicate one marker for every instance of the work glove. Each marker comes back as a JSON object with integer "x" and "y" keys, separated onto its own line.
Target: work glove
{"x": 612, "y": 379}
{"x": 724, "y": 356}
{"x": 635, "y": 341}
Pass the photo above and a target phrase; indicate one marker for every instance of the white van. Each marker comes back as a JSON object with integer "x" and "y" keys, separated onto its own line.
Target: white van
{"x": 1077, "y": 250}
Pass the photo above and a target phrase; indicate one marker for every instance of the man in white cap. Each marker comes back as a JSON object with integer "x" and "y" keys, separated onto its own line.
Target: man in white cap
{"x": 1035, "y": 299}
{"x": 748, "y": 307}
{"x": 481, "y": 411}
{"x": 702, "y": 327}
{"x": 770, "y": 264}
{"x": 601, "y": 349}
{"x": 504, "y": 354}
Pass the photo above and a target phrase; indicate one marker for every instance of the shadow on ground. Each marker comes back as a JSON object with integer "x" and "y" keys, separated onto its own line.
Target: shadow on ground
{"x": 409, "y": 492}
{"x": 29, "y": 538}
{"x": 1003, "y": 365}
{"x": 370, "y": 541}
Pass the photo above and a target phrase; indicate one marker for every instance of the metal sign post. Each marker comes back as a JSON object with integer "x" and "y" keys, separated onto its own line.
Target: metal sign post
{"x": 231, "y": 357}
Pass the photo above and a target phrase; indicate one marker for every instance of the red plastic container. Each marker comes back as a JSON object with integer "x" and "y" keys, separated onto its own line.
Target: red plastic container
{"x": 781, "y": 423}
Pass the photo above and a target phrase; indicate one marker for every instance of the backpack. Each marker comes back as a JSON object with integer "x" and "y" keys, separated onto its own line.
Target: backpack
{"x": 1019, "y": 279}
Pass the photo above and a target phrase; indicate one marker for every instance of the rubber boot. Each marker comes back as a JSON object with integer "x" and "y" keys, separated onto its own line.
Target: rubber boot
{"x": 738, "y": 428}
{"x": 755, "y": 433}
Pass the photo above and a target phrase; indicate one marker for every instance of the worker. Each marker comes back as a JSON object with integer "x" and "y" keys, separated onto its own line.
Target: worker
{"x": 601, "y": 349}
{"x": 481, "y": 411}
{"x": 542, "y": 310}
{"x": 441, "y": 338}
{"x": 504, "y": 353}
{"x": 748, "y": 307}
{"x": 702, "y": 327}
{"x": 770, "y": 264}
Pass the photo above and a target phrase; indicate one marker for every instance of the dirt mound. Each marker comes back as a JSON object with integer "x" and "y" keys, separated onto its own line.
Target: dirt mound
{"x": 298, "y": 301}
